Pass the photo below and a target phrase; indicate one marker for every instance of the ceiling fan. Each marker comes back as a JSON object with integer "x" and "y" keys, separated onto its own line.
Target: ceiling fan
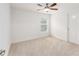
{"x": 48, "y": 7}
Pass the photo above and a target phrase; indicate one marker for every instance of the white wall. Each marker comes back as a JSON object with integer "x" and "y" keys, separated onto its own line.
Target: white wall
{"x": 59, "y": 25}
{"x": 4, "y": 26}
{"x": 25, "y": 25}
{"x": 64, "y": 19}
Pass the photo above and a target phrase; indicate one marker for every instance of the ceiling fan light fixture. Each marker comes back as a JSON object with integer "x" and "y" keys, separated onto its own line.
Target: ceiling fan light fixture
{"x": 46, "y": 9}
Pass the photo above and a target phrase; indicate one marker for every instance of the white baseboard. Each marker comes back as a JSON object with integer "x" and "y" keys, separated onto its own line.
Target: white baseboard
{"x": 7, "y": 49}
{"x": 30, "y": 39}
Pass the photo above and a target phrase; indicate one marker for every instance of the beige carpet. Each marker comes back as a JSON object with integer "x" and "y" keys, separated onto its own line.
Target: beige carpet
{"x": 44, "y": 47}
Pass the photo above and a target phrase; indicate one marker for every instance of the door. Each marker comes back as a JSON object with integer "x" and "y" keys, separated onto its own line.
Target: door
{"x": 74, "y": 28}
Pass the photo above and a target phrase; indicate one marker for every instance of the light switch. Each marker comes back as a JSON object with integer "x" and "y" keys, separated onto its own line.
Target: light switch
{"x": 74, "y": 17}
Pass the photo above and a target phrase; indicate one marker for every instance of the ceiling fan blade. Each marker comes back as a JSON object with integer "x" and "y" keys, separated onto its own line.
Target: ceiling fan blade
{"x": 53, "y": 8}
{"x": 39, "y": 5}
{"x": 53, "y": 4}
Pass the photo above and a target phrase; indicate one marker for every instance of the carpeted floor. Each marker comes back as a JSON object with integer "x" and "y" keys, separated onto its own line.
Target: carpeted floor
{"x": 44, "y": 47}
